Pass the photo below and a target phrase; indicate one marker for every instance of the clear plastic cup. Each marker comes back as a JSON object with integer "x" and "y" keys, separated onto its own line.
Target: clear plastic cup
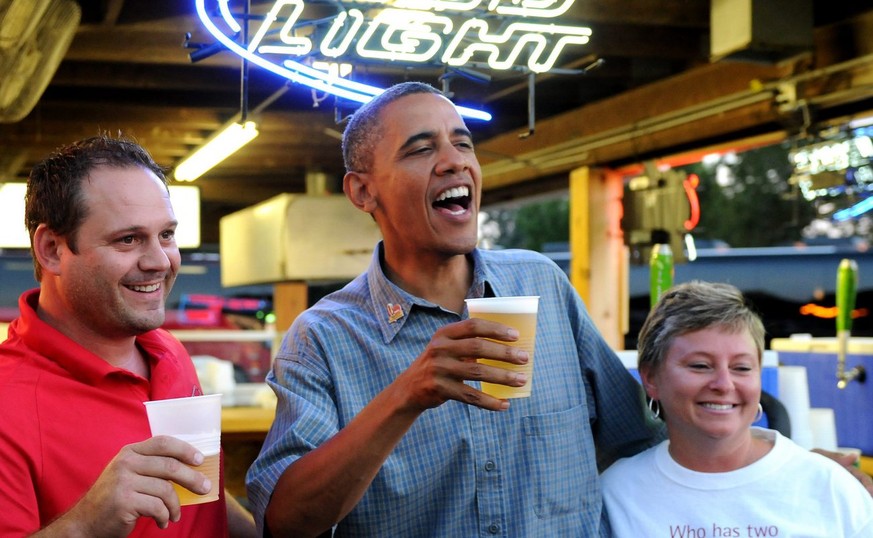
{"x": 520, "y": 313}
{"x": 195, "y": 420}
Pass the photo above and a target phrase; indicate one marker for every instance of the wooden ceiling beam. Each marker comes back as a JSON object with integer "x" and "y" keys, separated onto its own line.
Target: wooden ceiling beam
{"x": 646, "y": 13}
{"x": 662, "y": 42}
{"x": 620, "y": 128}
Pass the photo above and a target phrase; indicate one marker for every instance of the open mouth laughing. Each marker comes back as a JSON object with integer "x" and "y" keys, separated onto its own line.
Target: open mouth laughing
{"x": 455, "y": 200}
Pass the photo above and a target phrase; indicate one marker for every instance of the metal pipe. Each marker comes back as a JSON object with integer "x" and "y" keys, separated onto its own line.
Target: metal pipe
{"x": 531, "y": 105}
{"x": 244, "y": 67}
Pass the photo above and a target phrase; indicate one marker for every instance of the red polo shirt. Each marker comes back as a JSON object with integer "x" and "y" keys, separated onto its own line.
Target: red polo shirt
{"x": 65, "y": 413}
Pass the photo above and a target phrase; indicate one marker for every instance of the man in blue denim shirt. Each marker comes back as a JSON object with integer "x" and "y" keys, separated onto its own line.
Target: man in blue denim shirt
{"x": 381, "y": 429}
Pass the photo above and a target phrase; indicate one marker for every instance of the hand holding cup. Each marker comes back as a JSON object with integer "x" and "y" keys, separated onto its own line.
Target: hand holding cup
{"x": 519, "y": 313}
{"x": 197, "y": 421}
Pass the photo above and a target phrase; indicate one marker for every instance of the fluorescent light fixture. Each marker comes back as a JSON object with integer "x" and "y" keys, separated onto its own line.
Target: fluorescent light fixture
{"x": 186, "y": 206}
{"x": 218, "y": 148}
{"x": 857, "y": 123}
{"x": 13, "y": 232}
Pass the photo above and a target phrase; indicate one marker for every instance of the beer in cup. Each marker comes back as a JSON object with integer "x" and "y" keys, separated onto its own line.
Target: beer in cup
{"x": 195, "y": 420}
{"x": 520, "y": 313}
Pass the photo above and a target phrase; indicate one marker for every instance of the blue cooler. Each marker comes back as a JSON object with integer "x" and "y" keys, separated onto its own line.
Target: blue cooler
{"x": 852, "y": 405}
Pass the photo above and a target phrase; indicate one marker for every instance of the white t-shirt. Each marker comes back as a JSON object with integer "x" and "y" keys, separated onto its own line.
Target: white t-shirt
{"x": 790, "y": 492}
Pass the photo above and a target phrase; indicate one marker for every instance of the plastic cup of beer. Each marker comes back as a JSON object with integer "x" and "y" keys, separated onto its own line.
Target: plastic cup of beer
{"x": 195, "y": 420}
{"x": 520, "y": 313}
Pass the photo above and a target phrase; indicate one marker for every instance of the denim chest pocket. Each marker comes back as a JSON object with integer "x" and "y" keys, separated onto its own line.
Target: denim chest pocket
{"x": 560, "y": 452}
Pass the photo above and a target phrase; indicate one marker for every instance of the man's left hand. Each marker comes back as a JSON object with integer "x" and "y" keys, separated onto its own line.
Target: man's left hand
{"x": 848, "y": 461}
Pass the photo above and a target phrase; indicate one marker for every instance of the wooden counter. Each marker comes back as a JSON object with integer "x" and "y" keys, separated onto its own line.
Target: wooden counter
{"x": 250, "y": 421}
{"x": 243, "y": 430}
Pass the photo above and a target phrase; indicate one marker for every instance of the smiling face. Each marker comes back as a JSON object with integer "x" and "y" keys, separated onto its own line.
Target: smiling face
{"x": 116, "y": 284}
{"x": 709, "y": 386}
{"x": 425, "y": 182}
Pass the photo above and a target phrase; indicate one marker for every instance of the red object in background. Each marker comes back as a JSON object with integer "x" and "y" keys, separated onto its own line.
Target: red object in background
{"x": 201, "y": 310}
{"x": 690, "y": 184}
{"x": 204, "y": 312}
{"x": 7, "y": 314}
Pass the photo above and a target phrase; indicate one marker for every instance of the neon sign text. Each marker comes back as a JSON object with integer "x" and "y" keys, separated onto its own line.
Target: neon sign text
{"x": 832, "y": 168}
{"x": 497, "y": 34}
{"x": 833, "y": 156}
{"x": 418, "y": 33}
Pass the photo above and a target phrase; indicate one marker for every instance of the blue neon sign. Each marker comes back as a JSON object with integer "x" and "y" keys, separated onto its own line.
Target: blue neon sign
{"x": 492, "y": 33}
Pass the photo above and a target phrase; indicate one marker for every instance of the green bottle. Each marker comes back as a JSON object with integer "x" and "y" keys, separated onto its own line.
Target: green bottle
{"x": 660, "y": 271}
{"x": 847, "y": 289}
{"x": 847, "y": 286}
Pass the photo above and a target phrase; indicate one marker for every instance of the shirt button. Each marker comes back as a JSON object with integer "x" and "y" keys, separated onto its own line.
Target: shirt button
{"x": 490, "y": 465}
{"x": 494, "y": 528}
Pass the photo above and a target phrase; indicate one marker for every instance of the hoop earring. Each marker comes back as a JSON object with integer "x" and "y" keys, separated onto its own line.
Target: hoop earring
{"x": 760, "y": 414}
{"x": 655, "y": 408}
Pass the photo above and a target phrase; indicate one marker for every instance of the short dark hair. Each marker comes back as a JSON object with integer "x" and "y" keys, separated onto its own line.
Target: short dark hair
{"x": 363, "y": 130}
{"x": 695, "y": 306}
{"x": 54, "y": 188}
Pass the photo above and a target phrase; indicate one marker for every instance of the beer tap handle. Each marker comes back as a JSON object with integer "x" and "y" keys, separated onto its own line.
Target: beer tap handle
{"x": 847, "y": 285}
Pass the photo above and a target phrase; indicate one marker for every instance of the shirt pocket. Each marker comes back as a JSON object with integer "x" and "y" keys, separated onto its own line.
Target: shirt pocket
{"x": 559, "y": 450}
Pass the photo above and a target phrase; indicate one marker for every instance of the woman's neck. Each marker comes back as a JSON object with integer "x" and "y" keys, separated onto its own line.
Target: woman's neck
{"x": 719, "y": 455}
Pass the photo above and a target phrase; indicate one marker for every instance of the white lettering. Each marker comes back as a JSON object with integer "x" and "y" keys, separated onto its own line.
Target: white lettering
{"x": 833, "y": 156}
{"x": 291, "y": 44}
{"x": 531, "y": 8}
{"x": 423, "y": 31}
{"x": 338, "y": 23}
{"x": 523, "y": 35}
{"x": 402, "y": 35}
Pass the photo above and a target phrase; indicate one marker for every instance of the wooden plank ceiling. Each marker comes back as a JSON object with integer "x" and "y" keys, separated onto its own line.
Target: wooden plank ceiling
{"x": 656, "y": 92}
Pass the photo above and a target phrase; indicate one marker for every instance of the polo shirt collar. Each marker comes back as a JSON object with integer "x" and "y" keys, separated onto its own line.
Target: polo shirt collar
{"x": 68, "y": 354}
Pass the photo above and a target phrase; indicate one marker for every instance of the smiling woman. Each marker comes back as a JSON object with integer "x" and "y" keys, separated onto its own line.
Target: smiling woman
{"x": 700, "y": 355}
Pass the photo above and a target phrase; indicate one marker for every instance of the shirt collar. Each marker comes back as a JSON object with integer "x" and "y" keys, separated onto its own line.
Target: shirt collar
{"x": 392, "y": 305}
{"x": 68, "y": 354}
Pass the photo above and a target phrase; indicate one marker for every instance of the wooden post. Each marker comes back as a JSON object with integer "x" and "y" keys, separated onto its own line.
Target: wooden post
{"x": 598, "y": 265}
{"x": 580, "y": 252}
{"x": 289, "y": 300}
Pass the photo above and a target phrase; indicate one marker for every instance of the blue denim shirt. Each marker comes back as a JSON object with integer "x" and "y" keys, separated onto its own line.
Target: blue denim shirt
{"x": 459, "y": 471}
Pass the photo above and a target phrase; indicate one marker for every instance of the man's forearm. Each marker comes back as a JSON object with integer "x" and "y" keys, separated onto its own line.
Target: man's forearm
{"x": 322, "y": 487}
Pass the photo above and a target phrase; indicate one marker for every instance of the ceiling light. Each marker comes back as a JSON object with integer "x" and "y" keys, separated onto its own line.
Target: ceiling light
{"x": 13, "y": 233}
{"x": 221, "y": 146}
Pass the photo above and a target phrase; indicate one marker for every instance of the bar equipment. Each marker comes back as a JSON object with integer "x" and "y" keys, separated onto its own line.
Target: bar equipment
{"x": 847, "y": 289}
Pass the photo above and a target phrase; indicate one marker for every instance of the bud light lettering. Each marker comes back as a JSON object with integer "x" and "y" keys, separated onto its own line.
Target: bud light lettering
{"x": 530, "y": 8}
{"x": 291, "y": 44}
{"x": 357, "y": 20}
{"x": 436, "y": 5}
{"x": 413, "y": 31}
{"x": 502, "y": 50}
{"x": 404, "y": 36}
{"x": 500, "y": 34}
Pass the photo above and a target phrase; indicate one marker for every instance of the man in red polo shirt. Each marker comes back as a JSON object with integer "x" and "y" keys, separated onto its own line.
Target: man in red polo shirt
{"x": 76, "y": 453}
